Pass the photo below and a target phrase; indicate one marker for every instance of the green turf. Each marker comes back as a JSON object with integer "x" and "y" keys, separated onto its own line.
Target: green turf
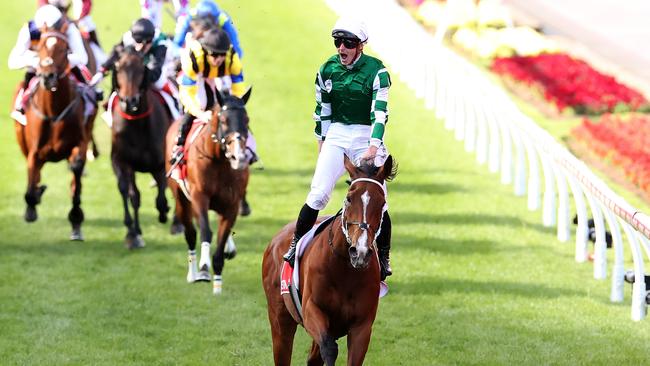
{"x": 478, "y": 280}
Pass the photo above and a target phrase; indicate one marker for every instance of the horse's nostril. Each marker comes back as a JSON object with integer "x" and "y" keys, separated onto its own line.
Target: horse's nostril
{"x": 353, "y": 251}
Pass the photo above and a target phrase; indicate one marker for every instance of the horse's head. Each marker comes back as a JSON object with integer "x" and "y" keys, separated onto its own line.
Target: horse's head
{"x": 53, "y": 56}
{"x": 231, "y": 129}
{"x": 363, "y": 209}
{"x": 130, "y": 77}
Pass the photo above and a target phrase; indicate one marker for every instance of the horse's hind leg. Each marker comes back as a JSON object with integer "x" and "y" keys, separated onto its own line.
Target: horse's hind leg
{"x": 76, "y": 214}
{"x": 314, "y": 358}
{"x": 34, "y": 191}
{"x": 283, "y": 330}
{"x": 161, "y": 200}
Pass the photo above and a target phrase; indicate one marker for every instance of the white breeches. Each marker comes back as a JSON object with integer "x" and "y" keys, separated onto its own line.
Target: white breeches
{"x": 342, "y": 140}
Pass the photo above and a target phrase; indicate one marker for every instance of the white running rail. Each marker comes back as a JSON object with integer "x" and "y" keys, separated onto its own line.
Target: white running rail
{"x": 483, "y": 116}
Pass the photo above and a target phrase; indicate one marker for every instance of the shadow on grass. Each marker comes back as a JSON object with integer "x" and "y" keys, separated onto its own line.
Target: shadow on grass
{"x": 425, "y": 188}
{"x": 430, "y": 285}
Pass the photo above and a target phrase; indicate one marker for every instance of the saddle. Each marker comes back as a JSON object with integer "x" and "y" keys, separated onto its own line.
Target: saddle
{"x": 178, "y": 172}
{"x": 289, "y": 277}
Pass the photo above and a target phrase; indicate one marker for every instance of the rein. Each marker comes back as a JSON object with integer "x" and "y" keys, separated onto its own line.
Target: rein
{"x": 131, "y": 117}
{"x": 58, "y": 117}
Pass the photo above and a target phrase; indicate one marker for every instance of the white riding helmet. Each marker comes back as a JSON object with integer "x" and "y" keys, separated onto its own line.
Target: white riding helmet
{"x": 347, "y": 27}
{"x": 61, "y": 4}
{"x": 47, "y": 15}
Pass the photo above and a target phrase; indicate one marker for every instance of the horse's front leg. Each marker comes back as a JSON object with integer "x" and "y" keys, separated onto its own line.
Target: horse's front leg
{"x": 224, "y": 240}
{"x": 77, "y": 162}
{"x": 200, "y": 205}
{"x": 161, "y": 200}
{"x": 34, "y": 191}
{"x": 134, "y": 197}
{"x": 123, "y": 174}
{"x": 358, "y": 341}
{"x": 316, "y": 323}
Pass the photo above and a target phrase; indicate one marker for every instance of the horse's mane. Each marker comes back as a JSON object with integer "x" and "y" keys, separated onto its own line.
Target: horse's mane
{"x": 130, "y": 51}
{"x": 370, "y": 169}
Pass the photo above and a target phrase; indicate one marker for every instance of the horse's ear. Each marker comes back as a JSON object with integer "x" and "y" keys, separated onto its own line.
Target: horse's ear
{"x": 349, "y": 166}
{"x": 388, "y": 170}
{"x": 220, "y": 98}
{"x": 247, "y": 94}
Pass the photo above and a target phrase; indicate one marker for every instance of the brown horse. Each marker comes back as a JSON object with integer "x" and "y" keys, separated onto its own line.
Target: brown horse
{"x": 217, "y": 173}
{"x": 140, "y": 122}
{"x": 56, "y": 128}
{"x": 339, "y": 275}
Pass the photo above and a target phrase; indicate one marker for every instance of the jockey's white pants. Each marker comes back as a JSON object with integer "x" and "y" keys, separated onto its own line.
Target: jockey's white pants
{"x": 341, "y": 140}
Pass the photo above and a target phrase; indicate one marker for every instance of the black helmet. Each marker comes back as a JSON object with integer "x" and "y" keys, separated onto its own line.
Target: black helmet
{"x": 215, "y": 40}
{"x": 143, "y": 30}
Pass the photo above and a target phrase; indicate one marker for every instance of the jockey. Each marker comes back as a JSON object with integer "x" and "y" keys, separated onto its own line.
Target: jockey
{"x": 351, "y": 115}
{"x": 208, "y": 8}
{"x": 205, "y": 63}
{"x": 24, "y": 54}
{"x": 150, "y": 42}
{"x": 81, "y": 15}
{"x": 152, "y": 10}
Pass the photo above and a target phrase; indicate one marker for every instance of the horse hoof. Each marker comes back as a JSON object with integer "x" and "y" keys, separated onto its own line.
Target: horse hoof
{"x": 30, "y": 214}
{"x": 230, "y": 251}
{"x": 162, "y": 218}
{"x": 202, "y": 276}
{"x": 176, "y": 229}
{"x": 134, "y": 242}
{"x": 230, "y": 255}
{"x": 76, "y": 235}
{"x": 244, "y": 209}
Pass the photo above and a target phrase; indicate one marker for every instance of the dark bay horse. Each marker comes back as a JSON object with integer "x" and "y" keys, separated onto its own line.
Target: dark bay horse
{"x": 217, "y": 173}
{"x": 56, "y": 128}
{"x": 140, "y": 121}
{"x": 339, "y": 275}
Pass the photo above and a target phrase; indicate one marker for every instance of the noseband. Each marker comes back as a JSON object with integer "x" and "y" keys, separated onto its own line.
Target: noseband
{"x": 363, "y": 225}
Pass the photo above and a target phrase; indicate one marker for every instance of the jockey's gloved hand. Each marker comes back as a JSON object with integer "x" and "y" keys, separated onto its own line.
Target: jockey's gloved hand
{"x": 205, "y": 116}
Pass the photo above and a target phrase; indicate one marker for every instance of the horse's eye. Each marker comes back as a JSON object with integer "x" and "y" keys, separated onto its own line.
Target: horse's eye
{"x": 347, "y": 201}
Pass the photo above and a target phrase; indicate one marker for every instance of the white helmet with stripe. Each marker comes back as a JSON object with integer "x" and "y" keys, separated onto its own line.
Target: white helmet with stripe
{"x": 349, "y": 27}
{"x": 47, "y": 15}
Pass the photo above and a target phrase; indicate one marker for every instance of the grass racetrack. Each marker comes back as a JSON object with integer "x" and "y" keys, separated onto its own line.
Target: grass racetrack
{"x": 478, "y": 279}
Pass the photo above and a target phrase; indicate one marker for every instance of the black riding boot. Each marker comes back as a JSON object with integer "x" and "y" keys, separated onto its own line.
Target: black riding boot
{"x": 92, "y": 35}
{"x": 306, "y": 220}
{"x": 383, "y": 247}
{"x": 184, "y": 127}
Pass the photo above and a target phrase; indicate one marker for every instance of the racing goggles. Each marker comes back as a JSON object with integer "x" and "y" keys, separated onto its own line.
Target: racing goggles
{"x": 347, "y": 43}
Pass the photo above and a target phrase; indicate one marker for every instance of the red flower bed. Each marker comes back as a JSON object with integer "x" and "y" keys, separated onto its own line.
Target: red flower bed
{"x": 568, "y": 82}
{"x": 625, "y": 143}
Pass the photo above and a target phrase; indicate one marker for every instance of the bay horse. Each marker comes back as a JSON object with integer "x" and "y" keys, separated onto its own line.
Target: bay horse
{"x": 339, "y": 275}
{"x": 217, "y": 173}
{"x": 140, "y": 122}
{"x": 56, "y": 128}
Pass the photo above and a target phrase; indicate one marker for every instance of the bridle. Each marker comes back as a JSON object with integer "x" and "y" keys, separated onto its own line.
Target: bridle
{"x": 219, "y": 136}
{"x": 59, "y": 76}
{"x": 138, "y": 98}
{"x": 49, "y": 60}
{"x": 363, "y": 225}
